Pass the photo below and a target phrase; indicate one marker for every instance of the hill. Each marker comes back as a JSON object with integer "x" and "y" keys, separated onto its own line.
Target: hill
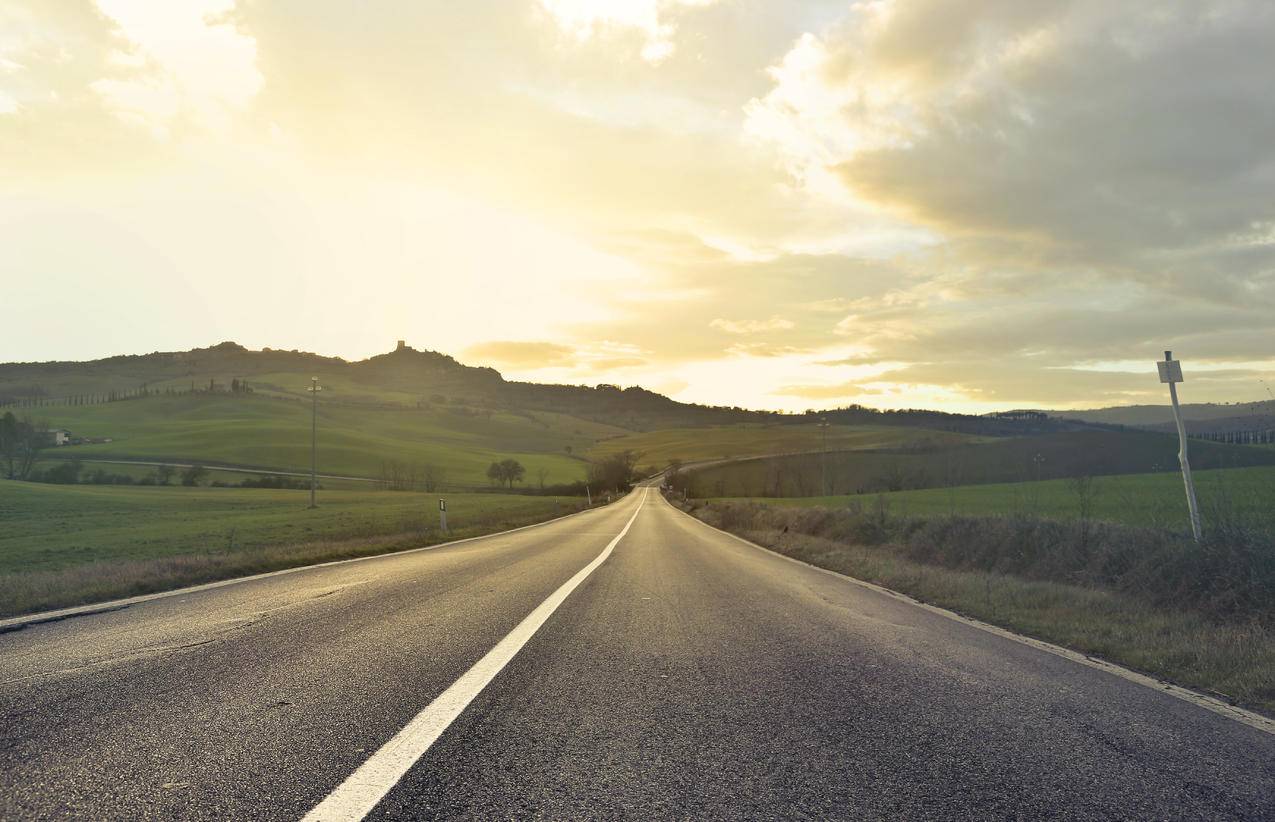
{"x": 404, "y": 377}
{"x": 231, "y": 406}
{"x": 1198, "y": 416}
{"x": 455, "y": 442}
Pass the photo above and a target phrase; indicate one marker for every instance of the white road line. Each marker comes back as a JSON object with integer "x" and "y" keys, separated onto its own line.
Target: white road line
{"x": 362, "y": 790}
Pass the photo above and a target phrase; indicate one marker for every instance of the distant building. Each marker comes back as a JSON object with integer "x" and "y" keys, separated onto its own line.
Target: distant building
{"x": 401, "y": 345}
{"x": 59, "y": 436}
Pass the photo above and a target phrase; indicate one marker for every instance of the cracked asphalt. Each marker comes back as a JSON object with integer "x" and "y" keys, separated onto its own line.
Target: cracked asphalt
{"x": 690, "y": 676}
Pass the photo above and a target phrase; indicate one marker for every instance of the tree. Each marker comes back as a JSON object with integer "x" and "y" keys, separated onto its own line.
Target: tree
{"x": 164, "y": 474}
{"x": 21, "y": 441}
{"x": 194, "y": 475}
{"x": 507, "y": 471}
{"x": 514, "y": 472}
{"x": 615, "y": 472}
{"x": 433, "y": 477}
{"x": 541, "y": 474}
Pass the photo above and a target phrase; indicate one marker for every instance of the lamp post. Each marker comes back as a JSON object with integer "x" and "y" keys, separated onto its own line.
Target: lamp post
{"x": 314, "y": 390}
{"x": 1171, "y": 373}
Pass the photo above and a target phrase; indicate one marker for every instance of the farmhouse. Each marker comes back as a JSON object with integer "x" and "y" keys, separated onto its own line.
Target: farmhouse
{"x": 58, "y": 436}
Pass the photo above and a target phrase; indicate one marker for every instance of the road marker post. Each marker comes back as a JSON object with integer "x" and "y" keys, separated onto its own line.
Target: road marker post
{"x": 1171, "y": 374}
{"x": 442, "y": 514}
{"x": 823, "y": 456}
{"x": 314, "y": 390}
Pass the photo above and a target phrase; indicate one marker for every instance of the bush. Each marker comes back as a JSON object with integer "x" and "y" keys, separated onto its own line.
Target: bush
{"x": 68, "y": 473}
{"x": 194, "y": 475}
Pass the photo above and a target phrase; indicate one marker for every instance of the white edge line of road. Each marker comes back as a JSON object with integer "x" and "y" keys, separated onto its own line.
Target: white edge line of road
{"x": 355, "y": 798}
{"x": 1217, "y": 706}
{"x": 12, "y": 623}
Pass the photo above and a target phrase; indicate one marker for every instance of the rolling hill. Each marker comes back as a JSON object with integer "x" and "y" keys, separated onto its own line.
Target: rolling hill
{"x": 230, "y": 406}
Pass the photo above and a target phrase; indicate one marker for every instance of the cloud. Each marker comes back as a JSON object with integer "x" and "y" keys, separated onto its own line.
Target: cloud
{"x": 521, "y": 354}
{"x": 955, "y": 202}
{"x": 652, "y": 19}
{"x": 752, "y": 326}
{"x": 1079, "y": 131}
{"x": 190, "y": 59}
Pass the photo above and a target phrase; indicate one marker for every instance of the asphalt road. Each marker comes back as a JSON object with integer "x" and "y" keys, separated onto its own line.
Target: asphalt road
{"x": 687, "y": 676}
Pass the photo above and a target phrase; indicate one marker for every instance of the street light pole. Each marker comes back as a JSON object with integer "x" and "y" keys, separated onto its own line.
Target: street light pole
{"x": 1171, "y": 373}
{"x": 314, "y": 390}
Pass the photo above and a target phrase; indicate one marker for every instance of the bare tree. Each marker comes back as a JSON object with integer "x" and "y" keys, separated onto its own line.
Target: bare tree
{"x": 21, "y": 441}
{"x": 433, "y": 477}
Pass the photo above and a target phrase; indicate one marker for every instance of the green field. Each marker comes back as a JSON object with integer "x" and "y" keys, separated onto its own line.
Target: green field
{"x": 657, "y": 448}
{"x": 1003, "y": 460}
{"x": 1133, "y": 499}
{"x": 64, "y": 544}
{"x": 261, "y": 432}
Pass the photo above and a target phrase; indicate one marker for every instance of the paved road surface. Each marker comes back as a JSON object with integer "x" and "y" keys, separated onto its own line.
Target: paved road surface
{"x": 688, "y": 676}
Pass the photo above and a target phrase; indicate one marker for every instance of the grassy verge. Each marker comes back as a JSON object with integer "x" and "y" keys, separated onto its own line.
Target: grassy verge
{"x": 1203, "y": 617}
{"x": 69, "y": 545}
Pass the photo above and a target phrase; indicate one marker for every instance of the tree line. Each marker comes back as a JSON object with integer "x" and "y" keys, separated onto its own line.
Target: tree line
{"x": 38, "y": 399}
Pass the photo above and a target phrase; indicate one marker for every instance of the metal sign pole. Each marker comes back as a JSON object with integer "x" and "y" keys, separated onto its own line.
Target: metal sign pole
{"x": 1171, "y": 373}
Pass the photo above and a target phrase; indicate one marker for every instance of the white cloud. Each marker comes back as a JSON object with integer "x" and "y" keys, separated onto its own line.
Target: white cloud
{"x": 584, "y": 19}
{"x": 189, "y": 60}
{"x": 752, "y": 326}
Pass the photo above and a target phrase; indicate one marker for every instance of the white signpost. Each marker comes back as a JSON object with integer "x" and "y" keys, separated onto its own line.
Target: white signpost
{"x": 1171, "y": 373}
{"x": 442, "y": 514}
{"x": 314, "y": 390}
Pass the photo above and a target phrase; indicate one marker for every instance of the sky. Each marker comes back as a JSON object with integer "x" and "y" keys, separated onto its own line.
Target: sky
{"x": 958, "y": 204}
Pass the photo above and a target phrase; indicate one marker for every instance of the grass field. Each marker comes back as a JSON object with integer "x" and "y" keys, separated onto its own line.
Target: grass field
{"x": 67, "y": 544}
{"x": 1156, "y": 500}
{"x": 1003, "y": 460}
{"x": 261, "y": 432}
{"x": 734, "y": 441}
